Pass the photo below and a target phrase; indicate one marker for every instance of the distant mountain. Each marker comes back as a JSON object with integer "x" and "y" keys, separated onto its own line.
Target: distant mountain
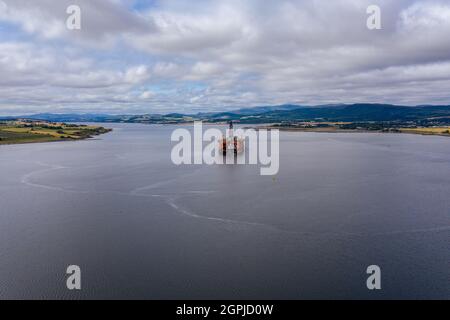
{"x": 361, "y": 112}
{"x": 259, "y": 110}
{"x": 350, "y": 113}
{"x": 64, "y": 117}
{"x": 269, "y": 114}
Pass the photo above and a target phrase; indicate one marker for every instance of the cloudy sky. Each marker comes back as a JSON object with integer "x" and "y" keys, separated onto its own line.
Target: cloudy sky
{"x": 188, "y": 56}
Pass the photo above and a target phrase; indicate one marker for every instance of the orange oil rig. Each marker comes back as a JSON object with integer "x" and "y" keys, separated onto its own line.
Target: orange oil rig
{"x": 231, "y": 143}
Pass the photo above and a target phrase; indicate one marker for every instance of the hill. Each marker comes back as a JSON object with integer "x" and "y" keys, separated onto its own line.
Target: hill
{"x": 271, "y": 114}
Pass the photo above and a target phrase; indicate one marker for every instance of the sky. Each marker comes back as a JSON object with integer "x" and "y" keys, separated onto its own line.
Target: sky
{"x": 163, "y": 56}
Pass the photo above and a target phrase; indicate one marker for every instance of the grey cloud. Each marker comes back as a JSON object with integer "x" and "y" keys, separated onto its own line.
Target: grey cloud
{"x": 102, "y": 21}
{"x": 226, "y": 53}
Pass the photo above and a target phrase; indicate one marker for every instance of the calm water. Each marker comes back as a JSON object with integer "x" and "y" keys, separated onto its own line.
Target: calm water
{"x": 140, "y": 227}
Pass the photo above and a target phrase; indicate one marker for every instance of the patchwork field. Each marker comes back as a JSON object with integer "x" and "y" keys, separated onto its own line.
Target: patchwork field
{"x": 428, "y": 131}
{"x": 15, "y": 132}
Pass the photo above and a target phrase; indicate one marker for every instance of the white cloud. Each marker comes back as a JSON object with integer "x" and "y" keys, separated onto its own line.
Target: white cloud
{"x": 137, "y": 74}
{"x": 184, "y": 55}
{"x": 147, "y": 95}
{"x": 425, "y": 16}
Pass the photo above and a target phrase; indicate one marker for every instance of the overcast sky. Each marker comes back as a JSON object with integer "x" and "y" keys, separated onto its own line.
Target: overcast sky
{"x": 188, "y": 56}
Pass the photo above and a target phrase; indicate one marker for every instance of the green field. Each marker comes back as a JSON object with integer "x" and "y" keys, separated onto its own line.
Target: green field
{"x": 16, "y": 132}
{"x": 427, "y": 131}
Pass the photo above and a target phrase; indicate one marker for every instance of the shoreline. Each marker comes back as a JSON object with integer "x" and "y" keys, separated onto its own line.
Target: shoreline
{"x": 45, "y": 141}
{"x": 30, "y": 132}
{"x": 328, "y": 130}
{"x": 100, "y": 130}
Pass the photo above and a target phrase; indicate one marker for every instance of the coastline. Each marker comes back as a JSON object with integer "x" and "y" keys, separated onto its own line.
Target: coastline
{"x": 28, "y": 132}
{"x": 337, "y": 130}
{"x": 7, "y": 143}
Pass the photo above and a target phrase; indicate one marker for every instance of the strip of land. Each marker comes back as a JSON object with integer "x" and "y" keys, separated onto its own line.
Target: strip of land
{"x": 30, "y": 131}
{"x": 384, "y": 127}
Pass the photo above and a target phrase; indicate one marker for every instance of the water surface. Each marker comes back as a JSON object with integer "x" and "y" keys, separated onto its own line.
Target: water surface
{"x": 141, "y": 227}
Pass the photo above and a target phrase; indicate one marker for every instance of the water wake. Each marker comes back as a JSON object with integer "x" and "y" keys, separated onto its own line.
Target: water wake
{"x": 170, "y": 200}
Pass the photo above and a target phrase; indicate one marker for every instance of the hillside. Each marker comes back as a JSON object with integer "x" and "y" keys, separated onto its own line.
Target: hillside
{"x": 271, "y": 114}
